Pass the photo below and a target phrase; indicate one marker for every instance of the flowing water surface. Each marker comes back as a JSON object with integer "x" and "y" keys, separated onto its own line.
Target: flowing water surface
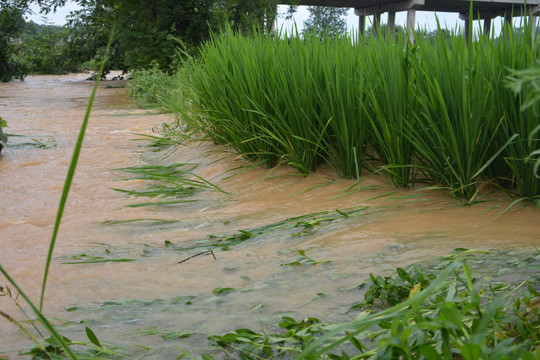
{"x": 369, "y": 228}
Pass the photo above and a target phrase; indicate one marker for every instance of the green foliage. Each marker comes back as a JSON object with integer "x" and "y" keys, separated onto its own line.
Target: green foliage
{"x": 149, "y": 86}
{"x": 326, "y": 21}
{"x": 3, "y": 137}
{"x": 253, "y": 345}
{"x": 11, "y": 23}
{"x": 43, "y": 50}
{"x": 246, "y": 15}
{"x": 149, "y": 33}
{"x": 439, "y": 111}
{"x": 424, "y": 317}
{"x": 303, "y": 260}
{"x": 389, "y": 291}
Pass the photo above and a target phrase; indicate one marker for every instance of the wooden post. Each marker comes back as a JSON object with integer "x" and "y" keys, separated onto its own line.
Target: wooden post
{"x": 466, "y": 32}
{"x": 533, "y": 26}
{"x": 411, "y": 16}
{"x": 392, "y": 22}
{"x": 487, "y": 26}
{"x": 507, "y": 25}
{"x": 361, "y": 22}
{"x": 376, "y": 23}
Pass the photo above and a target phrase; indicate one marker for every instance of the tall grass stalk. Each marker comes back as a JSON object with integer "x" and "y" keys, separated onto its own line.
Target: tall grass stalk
{"x": 70, "y": 174}
{"x": 59, "y": 339}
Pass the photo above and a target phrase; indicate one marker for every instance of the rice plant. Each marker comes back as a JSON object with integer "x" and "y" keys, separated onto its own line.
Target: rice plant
{"x": 521, "y": 108}
{"x": 454, "y": 133}
{"x": 341, "y": 67}
{"x": 391, "y": 104}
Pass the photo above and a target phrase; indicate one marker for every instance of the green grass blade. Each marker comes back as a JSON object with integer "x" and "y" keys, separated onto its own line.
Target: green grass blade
{"x": 46, "y": 324}
{"x": 70, "y": 174}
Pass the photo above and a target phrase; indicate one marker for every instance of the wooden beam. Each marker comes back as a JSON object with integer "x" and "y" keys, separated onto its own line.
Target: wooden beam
{"x": 390, "y": 7}
{"x": 479, "y": 16}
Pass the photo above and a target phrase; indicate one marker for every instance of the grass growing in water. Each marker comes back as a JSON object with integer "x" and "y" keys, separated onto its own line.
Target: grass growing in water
{"x": 175, "y": 182}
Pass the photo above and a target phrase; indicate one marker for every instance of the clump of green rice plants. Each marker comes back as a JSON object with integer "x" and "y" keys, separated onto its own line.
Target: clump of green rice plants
{"x": 411, "y": 315}
{"x": 525, "y": 121}
{"x": 267, "y": 100}
{"x": 439, "y": 111}
{"x": 454, "y": 129}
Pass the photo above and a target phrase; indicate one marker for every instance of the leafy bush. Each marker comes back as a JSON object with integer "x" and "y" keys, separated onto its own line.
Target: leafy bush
{"x": 148, "y": 86}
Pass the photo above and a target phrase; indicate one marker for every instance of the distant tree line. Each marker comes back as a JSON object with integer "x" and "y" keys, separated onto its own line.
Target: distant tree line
{"x": 146, "y": 33}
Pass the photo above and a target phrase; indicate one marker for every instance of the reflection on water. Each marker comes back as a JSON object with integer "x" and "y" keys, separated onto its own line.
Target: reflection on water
{"x": 394, "y": 229}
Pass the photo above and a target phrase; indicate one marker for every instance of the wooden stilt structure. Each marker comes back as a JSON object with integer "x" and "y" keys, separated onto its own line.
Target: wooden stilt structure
{"x": 485, "y": 10}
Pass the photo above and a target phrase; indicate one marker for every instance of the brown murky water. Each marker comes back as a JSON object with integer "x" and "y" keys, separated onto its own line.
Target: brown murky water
{"x": 123, "y": 300}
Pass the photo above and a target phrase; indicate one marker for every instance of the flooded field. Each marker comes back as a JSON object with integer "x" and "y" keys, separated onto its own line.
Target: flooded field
{"x": 116, "y": 266}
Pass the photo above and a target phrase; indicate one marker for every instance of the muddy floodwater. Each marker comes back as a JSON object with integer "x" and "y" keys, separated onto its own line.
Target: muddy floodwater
{"x": 115, "y": 267}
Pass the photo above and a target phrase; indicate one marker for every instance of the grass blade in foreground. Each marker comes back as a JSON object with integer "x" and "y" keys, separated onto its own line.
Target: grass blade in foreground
{"x": 69, "y": 177}
{"x": 61, "y": 341}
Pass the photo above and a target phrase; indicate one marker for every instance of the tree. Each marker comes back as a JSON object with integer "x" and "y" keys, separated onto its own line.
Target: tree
{"x": 11, "y": 24}
{"x": 43, "y": 49}
{"x": 384, "y": 30}
{"x": 245, "y": 15}
{"x": 149, "y": 32}
{"x": 326, "y": 20}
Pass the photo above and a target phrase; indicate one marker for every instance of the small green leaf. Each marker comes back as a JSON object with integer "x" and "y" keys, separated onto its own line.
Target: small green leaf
{"x": 223, "y": 291}
{"x": 92, "y": 337}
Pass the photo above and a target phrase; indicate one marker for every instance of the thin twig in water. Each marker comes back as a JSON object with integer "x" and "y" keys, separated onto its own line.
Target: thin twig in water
{"x": 201, "y": 253}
